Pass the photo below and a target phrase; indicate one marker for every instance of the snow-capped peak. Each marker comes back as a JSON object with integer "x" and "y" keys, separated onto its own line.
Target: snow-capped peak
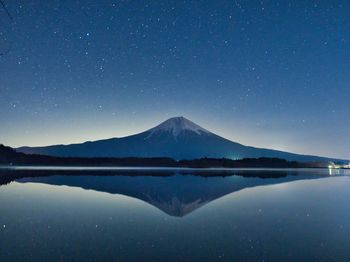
{"x": 176, "y": 125}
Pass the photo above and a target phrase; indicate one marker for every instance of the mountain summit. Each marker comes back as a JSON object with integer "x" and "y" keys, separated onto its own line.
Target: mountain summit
{"x": 178, "y": 125}
{"x": 177, "y": 138}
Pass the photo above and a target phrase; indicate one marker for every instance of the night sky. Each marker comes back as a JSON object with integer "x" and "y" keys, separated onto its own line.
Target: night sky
{"x": 270, "y": 74}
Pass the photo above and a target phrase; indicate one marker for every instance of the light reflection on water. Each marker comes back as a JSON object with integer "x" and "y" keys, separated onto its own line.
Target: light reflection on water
{"x": 179, "y": 217}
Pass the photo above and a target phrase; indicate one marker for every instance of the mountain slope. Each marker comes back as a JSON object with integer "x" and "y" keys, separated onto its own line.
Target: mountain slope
{"x": 176, "y": 138}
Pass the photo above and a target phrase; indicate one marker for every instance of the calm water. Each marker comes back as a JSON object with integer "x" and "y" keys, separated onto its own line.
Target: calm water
{"x": 174, "y": 215}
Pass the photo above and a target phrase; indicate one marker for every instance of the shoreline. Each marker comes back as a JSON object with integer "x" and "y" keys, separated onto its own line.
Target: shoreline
{"x": 156, "y": 168}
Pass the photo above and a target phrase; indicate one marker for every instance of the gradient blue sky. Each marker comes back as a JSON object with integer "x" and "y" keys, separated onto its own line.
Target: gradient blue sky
{"x": 265, "y": 73}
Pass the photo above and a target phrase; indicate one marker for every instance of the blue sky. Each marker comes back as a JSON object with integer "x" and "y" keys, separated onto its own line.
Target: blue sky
{"x": 264, "y": 73}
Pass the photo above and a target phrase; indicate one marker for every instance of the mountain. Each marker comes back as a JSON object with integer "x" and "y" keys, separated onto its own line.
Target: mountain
{"x": 176, "y": 138}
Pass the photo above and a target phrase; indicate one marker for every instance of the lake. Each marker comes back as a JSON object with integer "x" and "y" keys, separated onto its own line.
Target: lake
{"x": 64, "y": 214}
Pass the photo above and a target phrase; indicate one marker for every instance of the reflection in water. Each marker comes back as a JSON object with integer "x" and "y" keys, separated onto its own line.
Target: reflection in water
{"x": 278, "y": 216}
{"x": 170, "y": 191}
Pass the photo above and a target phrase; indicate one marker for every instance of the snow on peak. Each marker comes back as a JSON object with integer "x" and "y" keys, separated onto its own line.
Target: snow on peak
{"x": 176, "y": 125}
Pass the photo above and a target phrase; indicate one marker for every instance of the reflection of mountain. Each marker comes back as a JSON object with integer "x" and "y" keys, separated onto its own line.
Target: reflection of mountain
{"x": 176, "y": 195}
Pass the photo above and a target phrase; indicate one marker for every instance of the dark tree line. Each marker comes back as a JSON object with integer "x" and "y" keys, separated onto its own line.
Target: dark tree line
{"x": 8, "y": 156}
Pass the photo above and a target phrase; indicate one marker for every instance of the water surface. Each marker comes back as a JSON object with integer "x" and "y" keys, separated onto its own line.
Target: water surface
{"x": 169, "y": 215}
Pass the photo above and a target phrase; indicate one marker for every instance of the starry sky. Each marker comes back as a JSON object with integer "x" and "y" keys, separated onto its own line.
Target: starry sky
{"x": 264, "y": 73}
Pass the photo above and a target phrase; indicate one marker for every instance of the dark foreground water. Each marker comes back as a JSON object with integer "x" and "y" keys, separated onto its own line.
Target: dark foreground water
{"x": 175, "y": 215}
